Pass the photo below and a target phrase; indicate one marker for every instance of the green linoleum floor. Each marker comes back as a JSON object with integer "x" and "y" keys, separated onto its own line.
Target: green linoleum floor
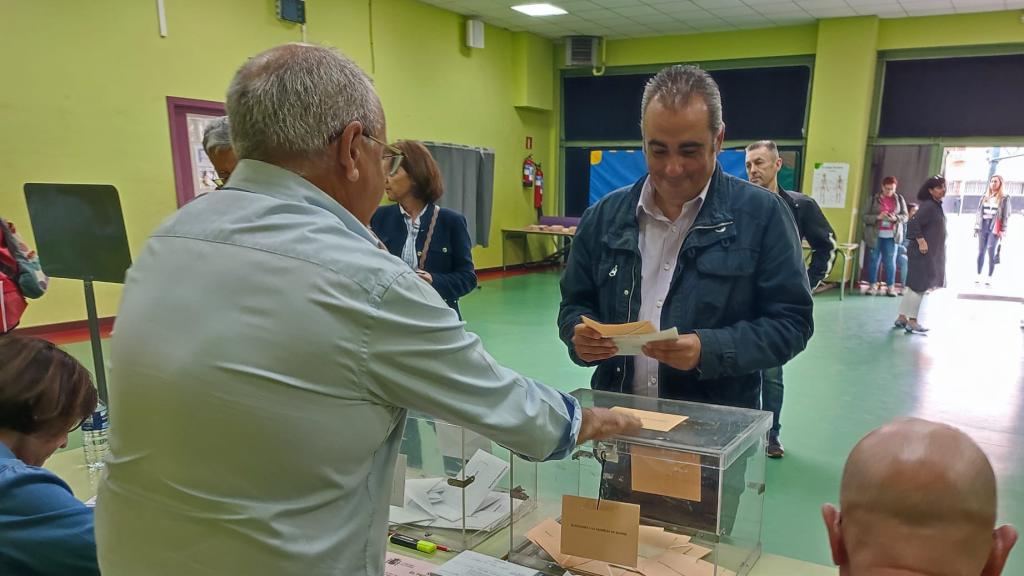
{"x": 856, "y": 374}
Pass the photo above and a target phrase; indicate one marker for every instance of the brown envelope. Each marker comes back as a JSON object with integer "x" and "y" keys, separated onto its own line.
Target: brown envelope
{"x": 665, "y": 472}
{"x": 654, "y": 420}
{"x": 609, "y": 330}
{"x": 609, "y": 533}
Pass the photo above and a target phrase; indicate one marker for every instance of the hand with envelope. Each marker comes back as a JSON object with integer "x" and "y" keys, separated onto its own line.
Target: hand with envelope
{"x": 595, "y": 341}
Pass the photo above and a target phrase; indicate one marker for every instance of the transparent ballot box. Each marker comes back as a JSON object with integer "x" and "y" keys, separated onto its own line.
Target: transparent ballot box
{"x": 685, "y": 493}
{"x": 455, "y": 487}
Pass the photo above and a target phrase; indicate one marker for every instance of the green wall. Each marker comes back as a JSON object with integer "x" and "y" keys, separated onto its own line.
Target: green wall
{"x": 86, "y": 82}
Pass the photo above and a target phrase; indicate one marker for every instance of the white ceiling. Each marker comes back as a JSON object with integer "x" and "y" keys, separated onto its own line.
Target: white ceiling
{"x": 638, "y": 18}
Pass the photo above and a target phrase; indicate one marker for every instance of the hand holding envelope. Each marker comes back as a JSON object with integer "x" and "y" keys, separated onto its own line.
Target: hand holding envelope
{"x": 627, "y": 339}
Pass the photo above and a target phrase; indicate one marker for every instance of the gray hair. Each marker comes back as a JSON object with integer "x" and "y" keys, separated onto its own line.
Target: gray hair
{"x": 676, "y": 85}
{"x": 768, "y": 145}
{"x": 293, "y": 100}
{"x": 217, "y": 135}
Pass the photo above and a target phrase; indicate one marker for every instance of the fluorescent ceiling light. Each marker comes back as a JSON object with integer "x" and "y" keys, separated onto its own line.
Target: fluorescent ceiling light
{"x": 539, "y": 10}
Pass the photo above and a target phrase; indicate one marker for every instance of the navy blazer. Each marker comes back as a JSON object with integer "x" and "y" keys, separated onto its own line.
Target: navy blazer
{"x": 449, "y": 258}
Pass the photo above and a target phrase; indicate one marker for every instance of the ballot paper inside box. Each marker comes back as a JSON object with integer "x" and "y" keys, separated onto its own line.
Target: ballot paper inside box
{"x": 455, "y": 487}
{"x": 696, "y": 472}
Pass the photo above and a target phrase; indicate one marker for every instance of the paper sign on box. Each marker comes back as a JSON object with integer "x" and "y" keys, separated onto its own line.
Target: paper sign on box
{"x": 665, "y": 472}
{"x": 606, "y": 530}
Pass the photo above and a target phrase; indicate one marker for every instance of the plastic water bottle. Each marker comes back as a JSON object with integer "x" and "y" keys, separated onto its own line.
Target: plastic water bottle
{"x": 94, "y": 438}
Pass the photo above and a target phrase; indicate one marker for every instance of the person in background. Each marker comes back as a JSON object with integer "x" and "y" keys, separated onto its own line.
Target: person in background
{"x": 431, "y": 240}
{"x": 918, "y": 498}
{"x": 44, "y": 394}
{"x": 901, "y": 249}
{"x": 763, "y": 164}
{"x": 257, "y": 428}
{"x": 990, "y": 226}
{"x": 926, "y": 253}
{"x": 21, "y": 276}
{"x": 217, "y": 143}
{"x": 884, "y": 223}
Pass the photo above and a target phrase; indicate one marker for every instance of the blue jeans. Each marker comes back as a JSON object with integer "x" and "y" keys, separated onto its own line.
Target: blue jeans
{"x": 987, "y": 241}
{"x": 771, "y": 395}
{"x": 903, "y": 262}
{"x": 885, "y": 253}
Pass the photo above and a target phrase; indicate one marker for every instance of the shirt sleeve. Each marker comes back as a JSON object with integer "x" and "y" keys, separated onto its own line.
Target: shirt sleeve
{"x": 43, "y": 527}
{"x": 419, "y": 356}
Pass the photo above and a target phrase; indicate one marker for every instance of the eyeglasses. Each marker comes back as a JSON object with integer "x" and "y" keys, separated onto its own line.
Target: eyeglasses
{"x": 392, "y": 159}
{"x": 221, "y": 180}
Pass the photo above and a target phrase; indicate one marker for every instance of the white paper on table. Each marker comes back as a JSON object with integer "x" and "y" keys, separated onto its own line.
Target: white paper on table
{"x": 486, "y": 518}
{"x": 450, "y": 439}
{"x": 631, "y": 345}
{"x": 410, "y": 514}
{"x": 471, "y": 563}
{"x": 487, "y": 470}
{"x": 425, "y": 492}
{"x": 398, "y": 485}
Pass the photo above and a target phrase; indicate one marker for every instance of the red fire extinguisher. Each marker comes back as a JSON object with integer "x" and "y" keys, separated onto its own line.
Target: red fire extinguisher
{"x": 529, "y": 168}
{"x": 538, "y": 188}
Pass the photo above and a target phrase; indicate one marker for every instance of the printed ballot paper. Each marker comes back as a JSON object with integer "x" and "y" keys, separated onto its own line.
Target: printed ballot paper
{"x": 435, "y": 502}
{"x": 631, "y": 337}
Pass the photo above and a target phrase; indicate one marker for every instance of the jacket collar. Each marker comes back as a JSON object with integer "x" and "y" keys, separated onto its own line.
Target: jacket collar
{"x": 715, "y": 213}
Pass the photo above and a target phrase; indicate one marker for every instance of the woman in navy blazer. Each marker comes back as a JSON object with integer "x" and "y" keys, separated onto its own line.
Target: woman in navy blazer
{"x": 415, "y": 188}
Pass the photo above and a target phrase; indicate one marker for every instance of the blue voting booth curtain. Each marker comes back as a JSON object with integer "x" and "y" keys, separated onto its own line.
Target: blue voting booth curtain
{"x": 613, "y": 169}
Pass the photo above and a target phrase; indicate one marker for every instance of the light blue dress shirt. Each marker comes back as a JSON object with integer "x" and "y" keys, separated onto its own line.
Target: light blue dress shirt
{"x": 263, "y": 359}
{"x": 44, "y": 529}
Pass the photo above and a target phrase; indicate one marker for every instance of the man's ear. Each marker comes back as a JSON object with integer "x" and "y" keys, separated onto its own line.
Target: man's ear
{"x": 347, "y": 151}
{"x": 1003, "y": 540}
{"x": 719, "y": 139}
{"x": 833, "y": 525}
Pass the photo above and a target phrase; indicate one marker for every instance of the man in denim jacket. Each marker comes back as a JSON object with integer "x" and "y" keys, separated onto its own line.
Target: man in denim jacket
{"x": 691, "y": 247}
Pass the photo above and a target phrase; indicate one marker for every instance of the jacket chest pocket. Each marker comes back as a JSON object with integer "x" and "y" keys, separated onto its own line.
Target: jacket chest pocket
{"x": 439, "y": 258}
{"x": 724, "y": 283}
{"x": 614, "y": 281}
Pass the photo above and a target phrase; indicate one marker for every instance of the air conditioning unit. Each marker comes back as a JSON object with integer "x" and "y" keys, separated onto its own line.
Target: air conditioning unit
{"x": 582, "y": 51}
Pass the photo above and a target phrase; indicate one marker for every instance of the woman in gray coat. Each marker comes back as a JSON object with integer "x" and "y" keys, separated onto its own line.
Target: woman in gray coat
{"x": 990, "y": 225}
{"x": 926, "y": 253}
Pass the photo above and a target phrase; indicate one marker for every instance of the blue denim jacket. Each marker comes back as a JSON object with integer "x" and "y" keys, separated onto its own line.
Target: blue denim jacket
{"x": 739, "y": 284}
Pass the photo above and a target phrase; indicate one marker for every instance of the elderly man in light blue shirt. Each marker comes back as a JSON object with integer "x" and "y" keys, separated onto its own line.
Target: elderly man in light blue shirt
{"x": 267, "y": 350}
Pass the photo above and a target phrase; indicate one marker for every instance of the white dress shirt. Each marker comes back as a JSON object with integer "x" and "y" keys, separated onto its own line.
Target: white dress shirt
{"x": 660, "y": 241}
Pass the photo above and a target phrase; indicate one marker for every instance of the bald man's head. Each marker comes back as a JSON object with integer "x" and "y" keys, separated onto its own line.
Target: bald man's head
{"x": 917, "y": 497}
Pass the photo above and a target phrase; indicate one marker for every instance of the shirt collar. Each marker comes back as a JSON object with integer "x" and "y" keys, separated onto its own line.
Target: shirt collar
{"x": 648, "y": 206}
{"x": 269, "y": 180}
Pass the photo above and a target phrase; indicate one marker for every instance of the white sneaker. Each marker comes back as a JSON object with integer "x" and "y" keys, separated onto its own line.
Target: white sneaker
{"x": 873, "y": 290}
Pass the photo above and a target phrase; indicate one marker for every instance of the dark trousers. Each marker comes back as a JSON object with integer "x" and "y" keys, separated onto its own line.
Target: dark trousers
{"x": 771, "y": 395}
{"x": 987, "y": 241}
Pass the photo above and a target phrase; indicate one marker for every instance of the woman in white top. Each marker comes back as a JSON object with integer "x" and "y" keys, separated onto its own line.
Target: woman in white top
{"x": 990, "y": 225}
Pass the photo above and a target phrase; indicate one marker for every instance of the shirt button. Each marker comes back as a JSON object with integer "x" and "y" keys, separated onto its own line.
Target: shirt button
{"x": 659, "y": 303}
{"x": 675, "y": 229}
{"x": 625, "y": 292}
{"x": 653, "y": 381}
{"x": 667, "y": 266}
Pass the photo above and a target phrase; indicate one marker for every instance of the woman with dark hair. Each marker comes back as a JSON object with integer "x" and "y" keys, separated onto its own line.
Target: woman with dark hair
{"x": 433, "y": 241}
{"x": 926, "y": 253}
{"x": 990, "y": 225}
{"x": 44, "y": 394}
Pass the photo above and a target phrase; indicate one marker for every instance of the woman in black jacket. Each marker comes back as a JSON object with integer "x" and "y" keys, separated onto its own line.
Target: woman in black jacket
{"x": 433, "y": 241}
{"x": 926, "y": 253}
